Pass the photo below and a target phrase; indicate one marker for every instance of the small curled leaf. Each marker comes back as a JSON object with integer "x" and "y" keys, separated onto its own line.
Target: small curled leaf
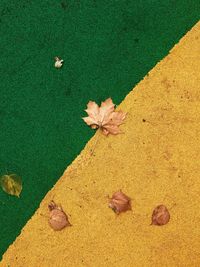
{"x": 119, "y": 202}
{"x": 160, "y": 215}
{"x": 58, "y": 218}
{"x": 11, "y": 184}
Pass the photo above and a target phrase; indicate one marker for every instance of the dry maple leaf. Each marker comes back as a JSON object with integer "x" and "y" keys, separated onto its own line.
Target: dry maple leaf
{"x": 104, "y": 117}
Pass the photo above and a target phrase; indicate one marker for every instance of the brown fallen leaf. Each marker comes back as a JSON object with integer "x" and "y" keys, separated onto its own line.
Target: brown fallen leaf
{"x": 119, "y": 202}
{"x": 160, "y": 215}
{"x": 104, "y": 117}
{"x": 58, "y": 218}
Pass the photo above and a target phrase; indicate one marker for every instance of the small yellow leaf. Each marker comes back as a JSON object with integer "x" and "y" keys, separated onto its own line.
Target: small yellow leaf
{"x": 11, "y": 184}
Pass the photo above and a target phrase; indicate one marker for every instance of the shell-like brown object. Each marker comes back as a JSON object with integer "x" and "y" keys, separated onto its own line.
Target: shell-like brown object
{"x": 119, "y": 202}
{"x": 160, "y": 216}
{"x": 58, "y": 218}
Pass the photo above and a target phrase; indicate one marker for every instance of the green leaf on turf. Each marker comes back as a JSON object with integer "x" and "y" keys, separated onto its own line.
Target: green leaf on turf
{"x": 11, "y": 184}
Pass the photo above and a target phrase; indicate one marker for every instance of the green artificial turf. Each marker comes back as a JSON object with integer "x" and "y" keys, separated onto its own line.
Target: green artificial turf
{"x": 108, "y": 46}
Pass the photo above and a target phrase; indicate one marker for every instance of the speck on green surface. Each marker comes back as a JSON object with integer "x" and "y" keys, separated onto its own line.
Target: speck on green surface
{"x": 107, "y": 46}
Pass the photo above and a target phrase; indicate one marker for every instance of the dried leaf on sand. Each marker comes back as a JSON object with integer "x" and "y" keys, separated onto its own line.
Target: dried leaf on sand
{"x": 104, "y": 117}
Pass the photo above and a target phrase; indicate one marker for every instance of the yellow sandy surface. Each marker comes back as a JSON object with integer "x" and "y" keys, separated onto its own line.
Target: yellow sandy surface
{"x": 155, "y": 161}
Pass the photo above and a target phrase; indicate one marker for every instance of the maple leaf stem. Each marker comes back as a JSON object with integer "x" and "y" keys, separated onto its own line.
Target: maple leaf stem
{"x": 97, "y": 139}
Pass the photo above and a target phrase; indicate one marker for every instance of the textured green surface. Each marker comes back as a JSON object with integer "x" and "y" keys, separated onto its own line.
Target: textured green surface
{"x": 108, "y": 46}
